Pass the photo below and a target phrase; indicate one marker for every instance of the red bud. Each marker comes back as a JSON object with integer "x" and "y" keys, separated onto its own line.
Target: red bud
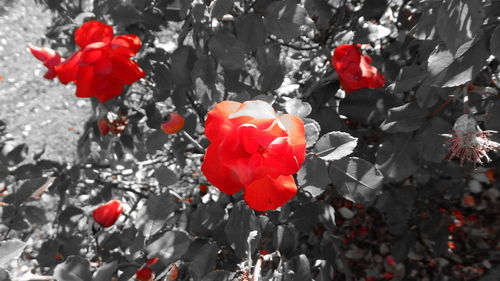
{"x": 107, "y": 214}
{"x": 174, "y": 123}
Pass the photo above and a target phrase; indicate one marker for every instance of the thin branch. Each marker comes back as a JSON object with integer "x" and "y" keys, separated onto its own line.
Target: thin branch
{"x": 298, "y": 48}
{"x": 193, "y": 141}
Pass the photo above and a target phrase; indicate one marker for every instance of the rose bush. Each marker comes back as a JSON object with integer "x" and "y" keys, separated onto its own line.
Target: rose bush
{"x": 252, "y": 148}
{"x": 354, "y": 69}
{"x": 376, "y": 196}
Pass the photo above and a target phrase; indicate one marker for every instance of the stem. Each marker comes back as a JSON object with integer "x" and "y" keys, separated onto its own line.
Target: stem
{"x": 199, "y": 111}
{"x": 436, "y": 111}
{"x": 193, "y": 141}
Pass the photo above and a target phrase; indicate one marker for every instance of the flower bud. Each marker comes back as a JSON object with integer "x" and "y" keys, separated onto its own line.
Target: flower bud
{"x": 173, "y": 124}
{"x": 107, "y": 214}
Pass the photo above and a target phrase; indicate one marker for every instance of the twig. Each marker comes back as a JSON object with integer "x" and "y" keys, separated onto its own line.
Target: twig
{"x": 298, "y": 48}
{"x": 193, "y": 141}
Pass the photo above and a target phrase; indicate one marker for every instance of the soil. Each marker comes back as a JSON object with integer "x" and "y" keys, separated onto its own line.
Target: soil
{"x": 38, "y": 112}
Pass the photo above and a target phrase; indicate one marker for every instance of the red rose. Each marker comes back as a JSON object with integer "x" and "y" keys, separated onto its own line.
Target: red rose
{"x": 107, "y": 214}
{"x": 49, "y": 58}
{"x": 354, "y": 69}
{"x": 174, "y": 123}
{"x": 252, "y": 148}
{"x": 102, "y": 66}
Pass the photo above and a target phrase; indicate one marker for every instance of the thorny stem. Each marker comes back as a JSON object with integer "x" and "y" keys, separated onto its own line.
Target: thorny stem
{"x": 437, "y": 110}
{"x": 193, "y": 141}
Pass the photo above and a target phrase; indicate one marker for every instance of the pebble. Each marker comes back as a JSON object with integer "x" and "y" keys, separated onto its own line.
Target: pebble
{"x": 475, "y": 186}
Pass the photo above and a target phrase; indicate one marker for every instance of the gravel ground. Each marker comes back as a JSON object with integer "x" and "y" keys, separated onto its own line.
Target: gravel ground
{"x": 39, "y": 112}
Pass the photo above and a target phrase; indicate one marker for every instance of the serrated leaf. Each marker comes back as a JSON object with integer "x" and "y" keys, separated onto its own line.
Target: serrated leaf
{"x": 298, "y": 107}
{"x": 227, "y": 50}
{"x": 335, "y": 145}
{"x": 204, "y": 261}
{"x": 493, "y": 117}
{"x": 28, "y": 188}
{"x": 10, "y": 250}
{"x": 154, "y": 213}
{"x": 356, "y": 179}
{"x": 448, "y": 70}
{"x": 169, "y": 247}
{"x": 165, "y": 176}
{"x": 271, "y": 78}
{"x": 432, "y": 145}
{"x": 409, "y": 77}
{"x": 425, "y": 29}
{"x": 250, "y": 31}
{"x": 242, "y": 221}
{"x": 312, "y": 176}
{"x": 284, "y": 18}
{"x": 4, "y": 275}
{"x": 155, "y": 141}
{"x": 74, "y": 268}
{"x": 398, "y": 157}
{"x": 370, "y": 32}
{"x": 495, "y": 42}
{"x": 359, "y": 105}
{"x": 312, "y": 130}
{"x": 404, "y": 119}
{"x": 218, "y": 8}
{"x": 106, "y": 271}
{"x": 458, "y": 21}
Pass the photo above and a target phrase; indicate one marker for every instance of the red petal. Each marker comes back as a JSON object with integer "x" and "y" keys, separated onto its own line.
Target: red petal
{"x": 43, "y": 54}
{"x": 49, "y": 58}
{"x": 85, "y": 82}
{"x": 218, "y": 174}
{"x": 68, "y": 70}
{"x": 217, "y": 124}
{"x": 107, "y": 88}
{"x": 126, "y": 70}
{"x": 269, "y": 193}
{"x": 255, "y": 112}
{"x": 279, "y": 158}
{"x": 296, "y": 134}
{"x": 94, "y": 52}
{"x": 127, "y": 45}
{"x": 93, "y": 31}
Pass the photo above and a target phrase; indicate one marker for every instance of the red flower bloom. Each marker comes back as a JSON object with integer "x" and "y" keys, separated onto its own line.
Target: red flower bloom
{"x": 354, "y": 69}
{"x": 102, "y": 66}
{"x": 254, "y": 149}
{"x": 49, "y": 58}
{"x": 107, "y": 214}
{"x": 144, "y": 274}
{"x": 174, "y": 123}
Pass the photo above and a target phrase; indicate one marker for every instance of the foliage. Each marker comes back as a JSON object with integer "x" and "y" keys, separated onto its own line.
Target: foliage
{"x": 377, "y": 196}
